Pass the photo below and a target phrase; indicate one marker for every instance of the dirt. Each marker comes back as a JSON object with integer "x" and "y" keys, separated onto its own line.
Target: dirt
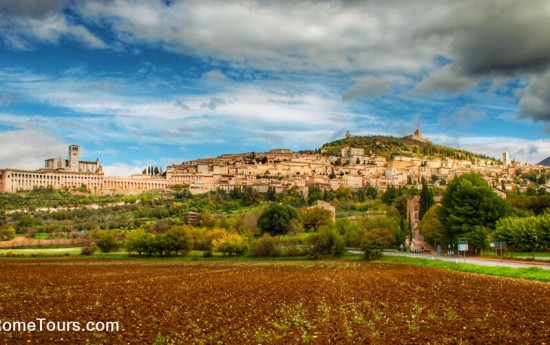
{"x": 257, "y": 302}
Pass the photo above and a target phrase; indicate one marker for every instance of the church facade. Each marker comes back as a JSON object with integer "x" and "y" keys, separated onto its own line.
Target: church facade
{"x": 74, "y": 175}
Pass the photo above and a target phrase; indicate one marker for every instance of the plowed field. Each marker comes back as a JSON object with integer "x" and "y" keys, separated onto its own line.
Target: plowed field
{"x": 256, "y": 302}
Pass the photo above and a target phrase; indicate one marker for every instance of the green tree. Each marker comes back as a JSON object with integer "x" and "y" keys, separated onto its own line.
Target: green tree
{"x": 271, "y": 194}
{"x": 315, "y": 217}
{"x": 468, "y": 202}
{"x": 390, "y": 221}
{"x": 26, "y": 224}
{"x": 276, "y": 219}
{"x": 372, "y": 192}
{"x": 426, "y": 198}
{"x": 360, "y": 195}
{"x": 327, "y": 241}
{"x": 524, "y": 233}
{"x": 400, "y": 204}
{"x": 292, "y": 196}
{"x": 7, "y": 233}
{"x": 390, "y": 195}
{"x": 477, "y": 238}
{"x": 106, "y": 241}
{"x": 352, "y": 231}
{"x": 374, "y": 242}
{"x": 136, "y": 241}
{"x": 314, "y": 194}
{"x": 178, "y": 239}
{"x": 231, "y": 244}
{"x": 430, "y": 226}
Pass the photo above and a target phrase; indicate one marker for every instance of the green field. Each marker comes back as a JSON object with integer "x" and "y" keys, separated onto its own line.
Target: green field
{"x": 537, "y": 256}
{"x": 531, "y": 273}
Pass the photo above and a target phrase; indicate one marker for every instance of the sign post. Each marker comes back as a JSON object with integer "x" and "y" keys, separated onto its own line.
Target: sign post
{"x": 500, "y": 245}
{"x": 463, "y": 246}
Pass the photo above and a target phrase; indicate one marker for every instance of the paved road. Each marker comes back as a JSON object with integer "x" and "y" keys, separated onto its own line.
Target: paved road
{"x": 474, "y": 261}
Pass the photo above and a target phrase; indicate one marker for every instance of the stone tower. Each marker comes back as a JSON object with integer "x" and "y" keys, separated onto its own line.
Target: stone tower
{"x": 506, "y": 158}
{"x": 74, "y": 157}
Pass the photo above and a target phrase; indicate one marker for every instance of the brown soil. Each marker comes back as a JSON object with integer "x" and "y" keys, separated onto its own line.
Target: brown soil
{"x": 253, "y": 302}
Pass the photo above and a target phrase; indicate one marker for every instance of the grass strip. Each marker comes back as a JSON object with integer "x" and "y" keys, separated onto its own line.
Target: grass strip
{"x": 531, "y": 273}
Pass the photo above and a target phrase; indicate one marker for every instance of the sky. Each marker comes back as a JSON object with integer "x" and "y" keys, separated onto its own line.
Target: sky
{"x": 138, "y": 83}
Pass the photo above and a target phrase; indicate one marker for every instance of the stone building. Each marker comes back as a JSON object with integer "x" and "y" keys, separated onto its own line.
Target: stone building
{"x": 417, "y": 135}
{"x": 74, "y": 175}
{"x": 73, "y": 163}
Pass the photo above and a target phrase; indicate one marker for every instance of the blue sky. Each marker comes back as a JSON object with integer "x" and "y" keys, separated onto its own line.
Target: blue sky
{"x": 138, "y": 83}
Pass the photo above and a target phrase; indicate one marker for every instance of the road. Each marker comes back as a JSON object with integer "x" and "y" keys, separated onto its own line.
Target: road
{"x": 468, "y": 260}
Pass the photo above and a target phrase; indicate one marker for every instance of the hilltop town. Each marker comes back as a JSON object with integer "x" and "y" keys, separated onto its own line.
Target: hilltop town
{"x": 352, "y": 162}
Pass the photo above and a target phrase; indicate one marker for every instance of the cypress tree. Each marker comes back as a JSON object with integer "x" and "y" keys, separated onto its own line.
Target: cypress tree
{"x": 426, "y": 198}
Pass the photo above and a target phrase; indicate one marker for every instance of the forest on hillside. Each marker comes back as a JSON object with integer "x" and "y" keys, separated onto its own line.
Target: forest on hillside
{"x": 387, "y": 146}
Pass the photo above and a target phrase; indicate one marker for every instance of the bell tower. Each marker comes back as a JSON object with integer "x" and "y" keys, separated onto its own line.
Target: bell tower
{"x": 74, "y": 157}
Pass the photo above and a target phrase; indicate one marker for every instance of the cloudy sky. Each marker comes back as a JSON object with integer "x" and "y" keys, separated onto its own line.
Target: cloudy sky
{"x": 139, "y": 83}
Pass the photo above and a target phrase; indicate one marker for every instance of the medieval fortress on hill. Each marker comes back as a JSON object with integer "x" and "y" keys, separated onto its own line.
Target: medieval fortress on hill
{"x": 280, "y": 168}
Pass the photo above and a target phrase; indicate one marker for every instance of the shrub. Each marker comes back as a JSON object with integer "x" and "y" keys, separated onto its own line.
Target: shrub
{"x": 294, "y": 246}
{"x": 88, "y": 248}
{"x": 230, "y": 244}
{"x": 136, "y": 241}
{"x": 178, "y": 240}
{"x": 264, "y": 247}
{"x": 7, "y": 233}
{"x": 211, "y": 235}
{"x": 327, "y": 241}
{"x": 107, "y": 242}
{"x": 374, "y": 242}
{"x": 314, "y": 218}
{"x": 276, "y": 219}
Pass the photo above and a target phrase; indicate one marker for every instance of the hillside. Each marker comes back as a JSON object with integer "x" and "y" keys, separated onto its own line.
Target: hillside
{"x": 545, "y": 162}
{"x": 388, "y": 147}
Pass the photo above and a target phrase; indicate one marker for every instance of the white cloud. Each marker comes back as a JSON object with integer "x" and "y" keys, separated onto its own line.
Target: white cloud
{"x": 377, "y": 47}
{"x": 535, "y": 102}
{"x": 369, "y": 89}
{"x": 446, "y": 79}
{"x": 28, "y": 147}
{"x": 22, "y": 27}
{"x": 464, "y": 117}
{"x": 7, "y": 98}
{"x": 521, "y": 150}
{"x": 215, "y": 77}
{"x": 121, "y": 169}
{"x": 245, "y": 108}
{"x": 282, "y": 35}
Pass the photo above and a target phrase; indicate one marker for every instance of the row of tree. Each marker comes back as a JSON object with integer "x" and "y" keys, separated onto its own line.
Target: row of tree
{"x": 470, "y": 209}
{"x": 531, "y": 233}
{"x": 178, "y": 240}
{"x": 283, "y": 231}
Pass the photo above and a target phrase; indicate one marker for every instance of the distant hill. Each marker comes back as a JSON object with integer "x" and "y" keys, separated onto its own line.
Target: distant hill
{"x": 545, "y": 162}
{"x": 388, "y": 147}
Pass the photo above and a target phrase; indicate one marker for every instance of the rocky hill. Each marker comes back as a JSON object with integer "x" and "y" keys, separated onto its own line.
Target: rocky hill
{"x": 387, "y": 146}
{"x": 545, "y": 162}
